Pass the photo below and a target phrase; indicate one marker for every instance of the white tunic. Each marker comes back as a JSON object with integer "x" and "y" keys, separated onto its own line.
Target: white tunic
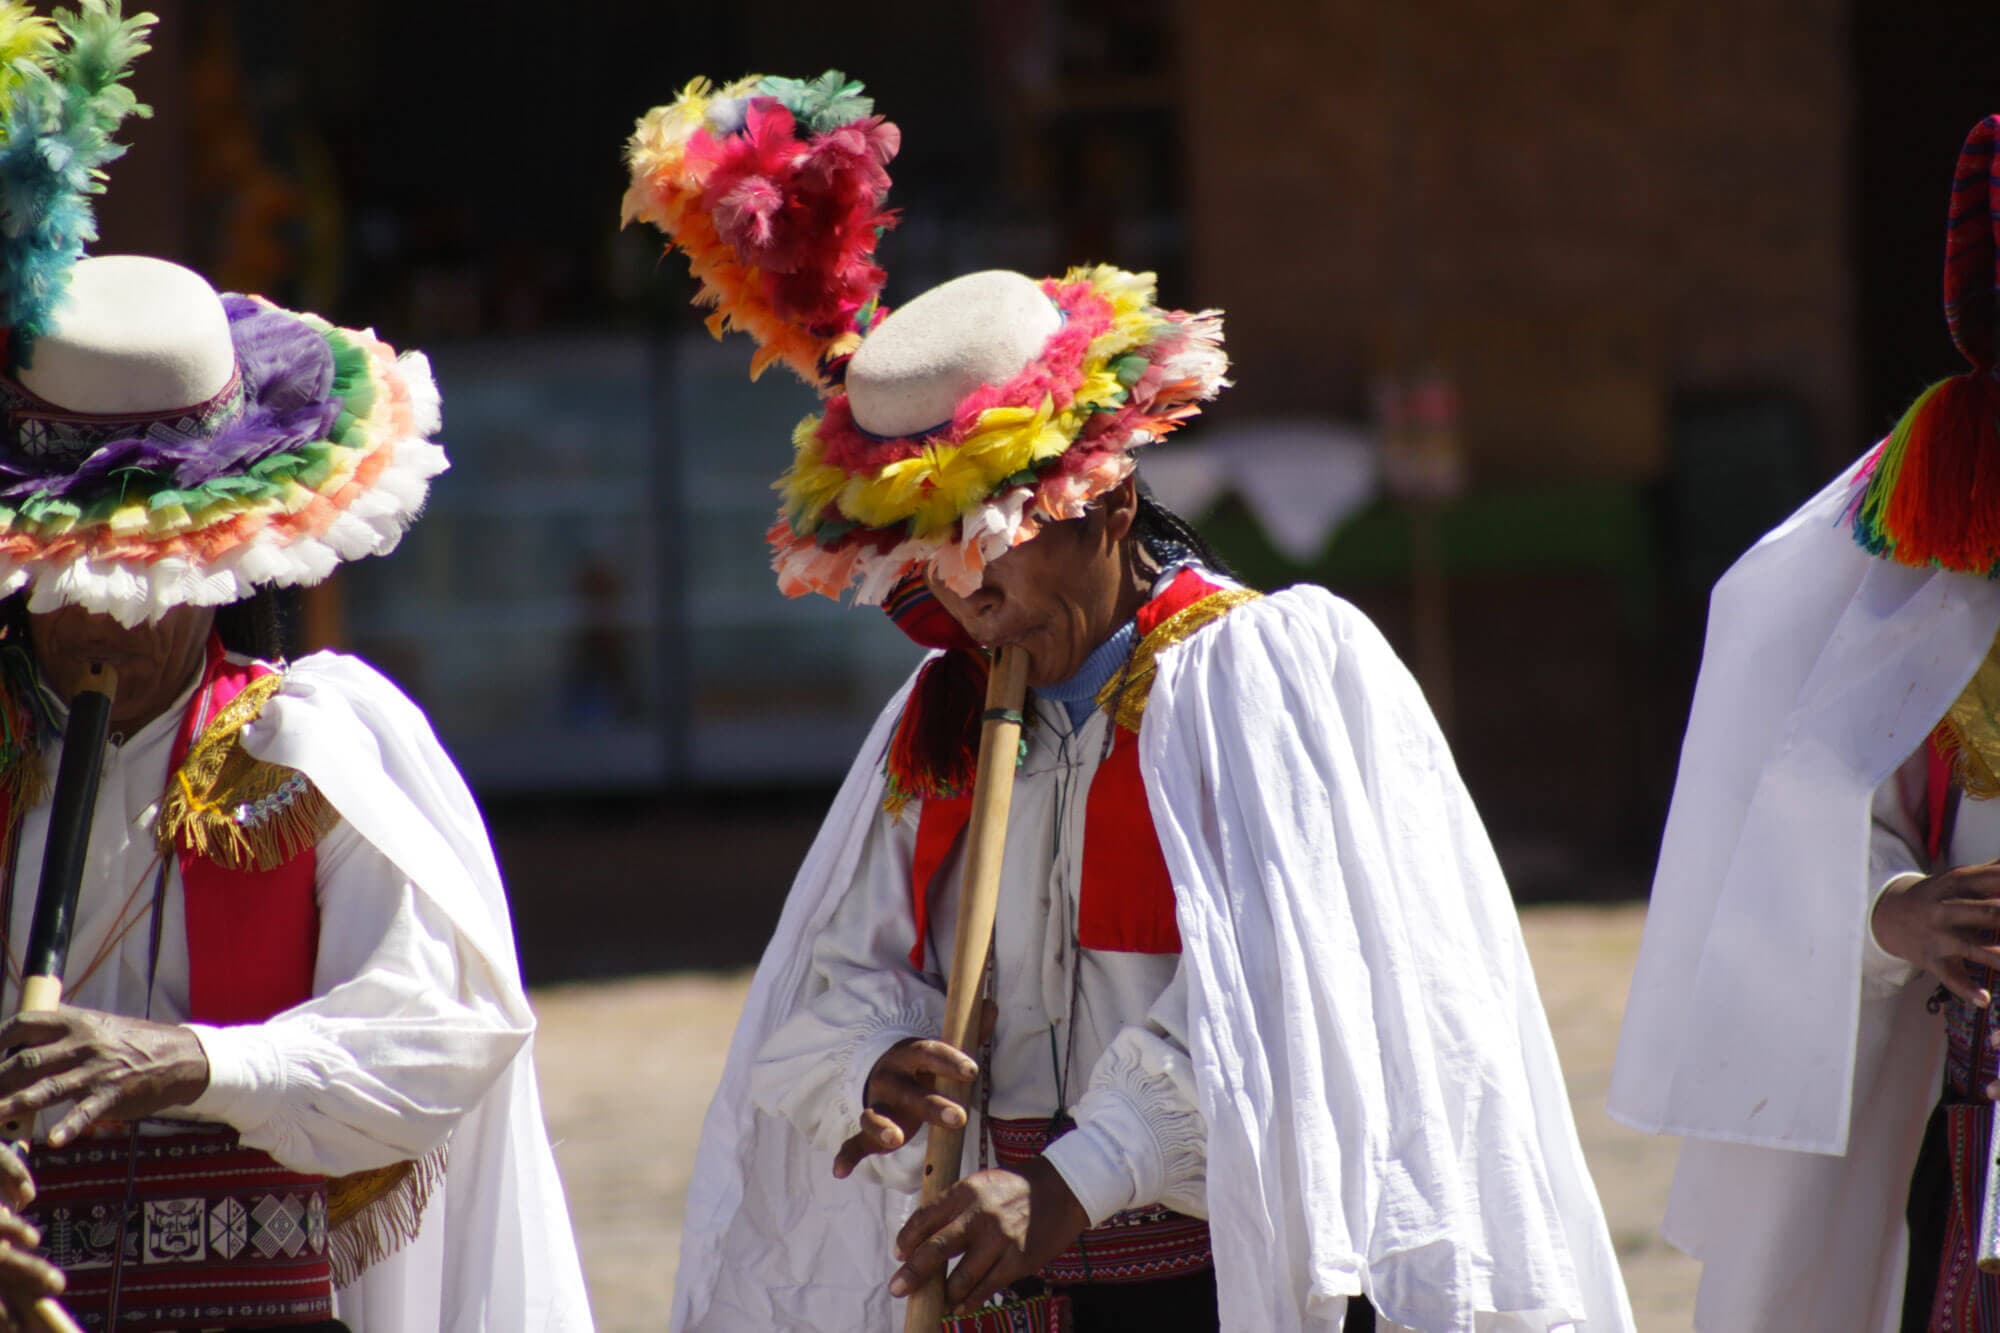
{"x": 1116, "y": 1060}
{"x": 409, "y": 1026}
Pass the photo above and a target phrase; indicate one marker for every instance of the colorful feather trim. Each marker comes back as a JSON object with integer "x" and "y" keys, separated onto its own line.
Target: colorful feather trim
{"x": 330, "y": 461}
{"x": 773, "y": 189}
{"x": 1968, "y": 736}
{"x": 1119, "y": 373}
{"x": 62, "y": 97}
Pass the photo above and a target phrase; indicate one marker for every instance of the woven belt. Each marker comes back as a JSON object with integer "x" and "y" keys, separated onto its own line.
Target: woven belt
{"x": 213, "y": 1234}
{"x": 1139, "y": 1245}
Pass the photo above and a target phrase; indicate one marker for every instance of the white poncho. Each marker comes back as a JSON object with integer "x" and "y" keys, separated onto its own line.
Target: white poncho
{"x": 495, "y": 1251}
{"x": 1385, "y": 1110}
{"x": 1803, "y": 1100}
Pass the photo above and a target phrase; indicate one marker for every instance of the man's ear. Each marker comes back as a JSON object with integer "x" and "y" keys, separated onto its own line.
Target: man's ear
{"x": 1120, "y": 505}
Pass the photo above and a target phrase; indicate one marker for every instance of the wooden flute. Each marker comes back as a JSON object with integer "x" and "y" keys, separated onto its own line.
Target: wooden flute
{"x": 979, "y": 900}
{"x": 71, "y": 806}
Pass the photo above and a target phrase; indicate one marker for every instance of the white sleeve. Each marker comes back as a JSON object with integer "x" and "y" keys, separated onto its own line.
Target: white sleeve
{"x": 863, "y": 997}
{"x": 1140, "y": 1137}
{"x": 1897, "y": 853}
{"x": 406, "y": 1030}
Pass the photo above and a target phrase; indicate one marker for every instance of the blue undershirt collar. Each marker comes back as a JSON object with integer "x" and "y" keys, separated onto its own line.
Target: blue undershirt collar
{"x": 1078, "y": 694}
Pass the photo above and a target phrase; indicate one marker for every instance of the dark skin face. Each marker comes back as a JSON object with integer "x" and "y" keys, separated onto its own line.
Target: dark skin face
{"x": 154, "y": 661}
{"x": 1062, "y": 594}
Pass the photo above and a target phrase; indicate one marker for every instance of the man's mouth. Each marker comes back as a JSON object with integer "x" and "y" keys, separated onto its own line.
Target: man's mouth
{"x": 1006, "y": 639}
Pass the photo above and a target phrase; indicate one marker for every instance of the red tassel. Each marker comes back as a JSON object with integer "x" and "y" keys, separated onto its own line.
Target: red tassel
{"x": 1945, "y": 507}
{"x": 935, "y": 752}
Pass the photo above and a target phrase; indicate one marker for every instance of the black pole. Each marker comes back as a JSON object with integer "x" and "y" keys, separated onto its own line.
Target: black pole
{"x": 68, "y": 840}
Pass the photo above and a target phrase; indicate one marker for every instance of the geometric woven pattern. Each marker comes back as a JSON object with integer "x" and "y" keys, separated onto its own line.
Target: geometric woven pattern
{"x": 213, "y": 1234}
{"x": 1138, "y": 1245}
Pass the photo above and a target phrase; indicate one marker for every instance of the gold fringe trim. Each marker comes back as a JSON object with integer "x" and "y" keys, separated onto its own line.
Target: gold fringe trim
{"x": 235, "y": 810}
{"x": 372, "y": 1214}
{"x": 1972, "y": 727}
{"x": 1125, "y": 694}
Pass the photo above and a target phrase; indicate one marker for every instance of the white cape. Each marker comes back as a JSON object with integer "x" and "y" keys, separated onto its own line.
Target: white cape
{"x": 505, "y": 1259}
{"x": 1747, "y": 1030}
{"x": 1385, "y": 1109}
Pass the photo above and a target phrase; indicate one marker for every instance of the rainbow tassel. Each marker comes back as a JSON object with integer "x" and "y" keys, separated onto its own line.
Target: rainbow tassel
{"x": 935, "y": 753}
{"x": 1931, "y": 496}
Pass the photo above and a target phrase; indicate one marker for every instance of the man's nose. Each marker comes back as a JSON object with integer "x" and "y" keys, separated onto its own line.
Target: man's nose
{"x": 984, "y": 600}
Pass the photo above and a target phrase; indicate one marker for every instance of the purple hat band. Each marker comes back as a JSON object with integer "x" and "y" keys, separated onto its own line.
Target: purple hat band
{"x": 280, "y": 399}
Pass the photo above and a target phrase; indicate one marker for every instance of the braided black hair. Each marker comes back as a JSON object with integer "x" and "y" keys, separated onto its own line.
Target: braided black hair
{"x": 1171, "y": 539}
{"x": 256, "y": 626}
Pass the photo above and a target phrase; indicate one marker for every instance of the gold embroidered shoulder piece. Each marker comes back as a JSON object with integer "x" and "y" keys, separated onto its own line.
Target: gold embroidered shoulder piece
{"x": 1970, "y": 731}
{"x": 1124, "y": 695}
{"x": 237, "y": 810}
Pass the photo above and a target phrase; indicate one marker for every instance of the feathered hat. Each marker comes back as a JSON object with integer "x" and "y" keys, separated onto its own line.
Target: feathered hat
{"x": 165, "y": 445}
{"x": 952, "y": 429}
{"x": 1930, "y": 496}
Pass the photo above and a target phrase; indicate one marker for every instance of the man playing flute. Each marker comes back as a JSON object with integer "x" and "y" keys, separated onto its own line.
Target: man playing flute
{"x": 290, "y": 1084}
{"x": 1812, "y": 1007}
{"x": 1264, "y": 1050}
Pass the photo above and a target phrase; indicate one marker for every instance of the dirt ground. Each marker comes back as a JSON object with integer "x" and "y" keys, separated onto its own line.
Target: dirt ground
{"x": 627, "y": 1068}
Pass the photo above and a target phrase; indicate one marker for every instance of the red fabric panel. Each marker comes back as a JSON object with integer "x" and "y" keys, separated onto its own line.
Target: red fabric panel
{"x": 1937, "y": 793}
{"x": 1182, "y": 591}
{"x": 939, "y": 822}
{"x": 1127, "y": 897}
{"x": 253, "y": 935}
{"x": 1126, "y": 901}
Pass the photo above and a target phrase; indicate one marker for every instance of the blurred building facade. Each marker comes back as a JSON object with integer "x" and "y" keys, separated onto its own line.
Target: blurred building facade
{"x": 1676, "y": 261}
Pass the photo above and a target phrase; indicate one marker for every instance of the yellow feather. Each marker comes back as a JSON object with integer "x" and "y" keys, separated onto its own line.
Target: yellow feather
{"x": 25, "y": 36}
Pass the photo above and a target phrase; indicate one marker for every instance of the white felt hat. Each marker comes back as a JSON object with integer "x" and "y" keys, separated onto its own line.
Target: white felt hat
{"x": 913, "y": 369}
{"x": 166, "y": 446}
{"x": 133, "y": 335}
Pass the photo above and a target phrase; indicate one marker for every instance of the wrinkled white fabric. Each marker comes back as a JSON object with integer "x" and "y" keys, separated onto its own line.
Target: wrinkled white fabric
{"x": 1365, "y": 1037}
{"x": 1802, "y": 1091}
{"x": 1385, "y": 1105}
{"x": 333, "y": 1086}
{"x": 496, "y": 1251}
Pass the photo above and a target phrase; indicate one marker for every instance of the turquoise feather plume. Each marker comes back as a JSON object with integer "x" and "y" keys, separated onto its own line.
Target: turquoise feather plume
{"x": 56, "y": 129}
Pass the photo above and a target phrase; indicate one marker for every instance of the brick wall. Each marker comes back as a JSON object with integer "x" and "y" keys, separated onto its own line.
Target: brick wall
{"x": 1579, "y": 208}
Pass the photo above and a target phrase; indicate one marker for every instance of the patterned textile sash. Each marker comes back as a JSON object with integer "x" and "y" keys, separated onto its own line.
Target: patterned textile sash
{"x": 218, "y": 1235}
{"x": 1967, "y": 1300}
{"x": 1970, "y": 1060}
{"x": 1043, "y": 1313}
{"x": 1138, "y": 1245}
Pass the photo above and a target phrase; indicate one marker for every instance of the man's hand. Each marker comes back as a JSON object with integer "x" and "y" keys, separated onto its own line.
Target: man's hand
{"x": 902, "y": 1096}
{"x": 111, "y": 1067}
{"x": 24, "y": 1277}
{"x": 1008, "y": 1225}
